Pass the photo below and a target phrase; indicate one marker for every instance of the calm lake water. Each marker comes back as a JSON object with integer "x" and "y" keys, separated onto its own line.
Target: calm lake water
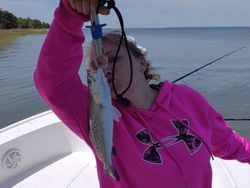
{"x": 173, "y": 51}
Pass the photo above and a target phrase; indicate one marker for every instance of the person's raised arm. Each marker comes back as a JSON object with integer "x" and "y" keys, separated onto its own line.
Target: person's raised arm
{"x": 56, "y": 76}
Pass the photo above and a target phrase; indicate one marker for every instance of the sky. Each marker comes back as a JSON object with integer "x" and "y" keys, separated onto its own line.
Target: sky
{"x": 150, "y": 13}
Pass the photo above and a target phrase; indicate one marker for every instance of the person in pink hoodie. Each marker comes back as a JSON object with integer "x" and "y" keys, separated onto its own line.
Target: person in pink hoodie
{"x": 164, "y": 138}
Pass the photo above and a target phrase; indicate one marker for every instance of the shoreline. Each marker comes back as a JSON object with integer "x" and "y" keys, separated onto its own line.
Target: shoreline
{"x": 8, "y": 35}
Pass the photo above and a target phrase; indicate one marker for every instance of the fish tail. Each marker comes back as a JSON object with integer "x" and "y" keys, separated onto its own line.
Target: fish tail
{"x": 110, "y": 170}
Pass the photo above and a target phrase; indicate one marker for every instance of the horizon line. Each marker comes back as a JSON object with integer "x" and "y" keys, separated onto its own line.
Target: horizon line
{"x": 176, "y": 27}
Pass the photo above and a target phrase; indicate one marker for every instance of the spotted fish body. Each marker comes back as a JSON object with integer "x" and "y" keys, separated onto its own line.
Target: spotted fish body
{"x": 101, "y": 120}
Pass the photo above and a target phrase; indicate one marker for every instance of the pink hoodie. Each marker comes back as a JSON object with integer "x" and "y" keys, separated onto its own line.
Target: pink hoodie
{"x": 153, "y": 149}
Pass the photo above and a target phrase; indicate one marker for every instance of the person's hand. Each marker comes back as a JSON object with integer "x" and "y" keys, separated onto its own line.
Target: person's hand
{"x": 87, "y": 6}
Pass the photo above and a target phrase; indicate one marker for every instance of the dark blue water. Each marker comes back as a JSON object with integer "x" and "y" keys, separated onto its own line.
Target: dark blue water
{"x": 172, "y": 51}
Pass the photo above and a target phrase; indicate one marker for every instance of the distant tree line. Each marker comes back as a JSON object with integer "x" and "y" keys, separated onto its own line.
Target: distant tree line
{"x": 10, "y": 21}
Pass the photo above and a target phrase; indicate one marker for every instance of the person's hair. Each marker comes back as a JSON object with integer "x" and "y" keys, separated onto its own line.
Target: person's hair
{"x": 113, "y": 37}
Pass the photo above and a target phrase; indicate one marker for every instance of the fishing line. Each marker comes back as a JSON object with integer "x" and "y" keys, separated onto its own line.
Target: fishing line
{"x": 125, "y": 101}
{"x": 111, "y": 5}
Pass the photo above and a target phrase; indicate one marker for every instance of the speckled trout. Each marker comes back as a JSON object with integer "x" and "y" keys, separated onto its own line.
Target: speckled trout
{"x": 102, "y": 114}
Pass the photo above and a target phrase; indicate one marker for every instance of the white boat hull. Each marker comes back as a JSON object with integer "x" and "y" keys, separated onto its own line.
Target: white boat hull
{"x": 42, "y": 152}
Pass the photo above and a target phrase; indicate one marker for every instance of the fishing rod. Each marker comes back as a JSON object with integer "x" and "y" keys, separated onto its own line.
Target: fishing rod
{"x": 178, "y": 79}
{"x": 236, "y": 119}
{"x": 234, "y": 51}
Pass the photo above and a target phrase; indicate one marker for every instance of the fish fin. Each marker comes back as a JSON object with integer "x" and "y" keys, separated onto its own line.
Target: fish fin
{"x": 115, "y": 175}
{"x": 116, "y": 114}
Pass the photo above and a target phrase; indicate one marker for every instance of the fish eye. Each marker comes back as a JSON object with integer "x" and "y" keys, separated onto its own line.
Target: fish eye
{"x": 90, "y": 80}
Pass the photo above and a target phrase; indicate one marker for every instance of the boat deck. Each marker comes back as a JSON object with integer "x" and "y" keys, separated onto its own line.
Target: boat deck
{"x": 75, "y": 170}
{"x": 78, "y": 170}
{"x": 42, "y": 152}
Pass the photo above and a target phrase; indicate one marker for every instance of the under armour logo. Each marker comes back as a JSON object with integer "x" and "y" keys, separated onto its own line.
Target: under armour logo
{"x": 152, "y": 155}
{"x": 192, "y": 142}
